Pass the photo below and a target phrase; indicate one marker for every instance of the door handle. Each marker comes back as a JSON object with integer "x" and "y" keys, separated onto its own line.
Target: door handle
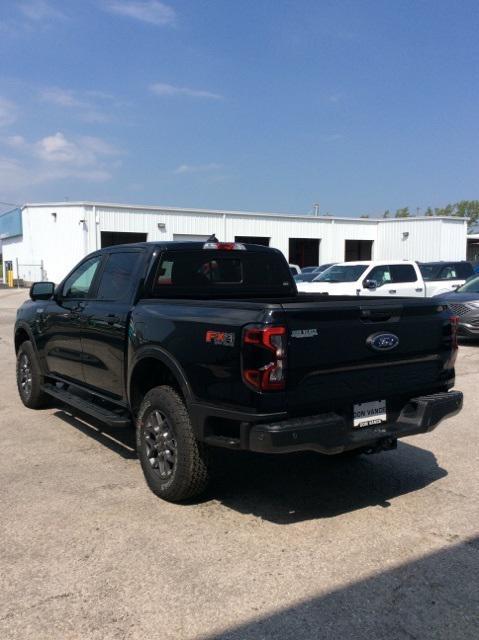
{"x": 419, "y": 290}
{"x": 392, "y": 290}
{"x": 74, "y": 312}
{"x": 71, "y": 315}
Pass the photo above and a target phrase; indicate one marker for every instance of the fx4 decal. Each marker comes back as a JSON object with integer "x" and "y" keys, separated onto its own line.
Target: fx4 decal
{"x": 220, "y": 338}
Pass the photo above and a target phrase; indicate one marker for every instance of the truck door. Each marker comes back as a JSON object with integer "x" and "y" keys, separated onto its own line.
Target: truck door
{"x": 395, "y": 280}
{"x": 407, "y": 280}
{"x": 381, "y": 275}
{"x": 104, "y": 331}
{"x": 450, "y": 277}
{"x": 61, "y": 322}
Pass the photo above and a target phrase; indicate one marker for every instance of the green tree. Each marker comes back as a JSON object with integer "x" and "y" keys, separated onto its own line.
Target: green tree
{"x": 468, "y": 209}
{"x": 462, "y": 209}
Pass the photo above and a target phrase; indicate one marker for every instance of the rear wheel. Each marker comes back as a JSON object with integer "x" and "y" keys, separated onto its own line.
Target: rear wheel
{"x": 173, "y": 461}
{"x": 29, "y": 377}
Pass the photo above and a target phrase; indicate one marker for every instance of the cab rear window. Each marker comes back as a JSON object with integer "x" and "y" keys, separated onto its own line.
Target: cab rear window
{"x": 203, "y": 272}
{"x": 215, "y": 271}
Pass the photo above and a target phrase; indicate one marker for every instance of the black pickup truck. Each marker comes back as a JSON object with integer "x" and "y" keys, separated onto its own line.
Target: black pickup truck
{"x": 210, "y": 344}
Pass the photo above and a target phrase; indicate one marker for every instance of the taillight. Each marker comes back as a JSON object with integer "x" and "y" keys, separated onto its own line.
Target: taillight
{"x": 452, "y": 340}
{"x": 454, "y": 331}
{"x": 264, "y": 357}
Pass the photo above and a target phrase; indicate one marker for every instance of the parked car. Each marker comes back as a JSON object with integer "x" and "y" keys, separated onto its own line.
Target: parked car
{"x": 384, "y": 278}
{"x": 464, "y": 303}
{"x": 304, "y": 277}
{"x": 294, "y": 269}
{"x": 202, "y": 345}
{"x": 309, "y": 276}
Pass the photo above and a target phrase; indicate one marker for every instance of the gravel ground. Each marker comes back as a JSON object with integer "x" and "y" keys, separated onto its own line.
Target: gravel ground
{"x": 301, "y": 546}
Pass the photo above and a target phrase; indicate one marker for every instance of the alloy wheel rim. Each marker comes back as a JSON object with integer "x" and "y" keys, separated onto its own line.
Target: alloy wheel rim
{"x": 160, "y": 444}
{"x": 25, "y": 375}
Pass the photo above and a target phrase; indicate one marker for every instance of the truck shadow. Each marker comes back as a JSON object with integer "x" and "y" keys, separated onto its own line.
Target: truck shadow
{"x": 427, "y": 598}
{"x": 285, "y": 489}
{"x": 293, "y": 488}
{"x": 121, "y": 441}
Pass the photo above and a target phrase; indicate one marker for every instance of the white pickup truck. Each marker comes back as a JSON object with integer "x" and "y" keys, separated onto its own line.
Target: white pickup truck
{"x": 389, "y": 278}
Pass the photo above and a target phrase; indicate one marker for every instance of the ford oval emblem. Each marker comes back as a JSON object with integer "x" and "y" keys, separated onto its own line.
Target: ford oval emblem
{"x": 382, "y": 341}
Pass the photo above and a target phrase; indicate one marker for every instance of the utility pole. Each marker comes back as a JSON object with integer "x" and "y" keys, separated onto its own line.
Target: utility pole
{"x": 316, "y": 208}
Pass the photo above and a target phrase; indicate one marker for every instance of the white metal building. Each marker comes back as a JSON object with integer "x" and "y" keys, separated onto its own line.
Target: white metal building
{"x": 47, "y": 240}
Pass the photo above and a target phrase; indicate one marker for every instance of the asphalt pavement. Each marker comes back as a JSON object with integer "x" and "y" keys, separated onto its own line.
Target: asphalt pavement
{"x": 303, "y": 546}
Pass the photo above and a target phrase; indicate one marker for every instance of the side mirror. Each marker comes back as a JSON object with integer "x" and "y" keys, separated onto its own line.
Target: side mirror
{"x": 370, "y": 284}
{"x": 42, "y": 290}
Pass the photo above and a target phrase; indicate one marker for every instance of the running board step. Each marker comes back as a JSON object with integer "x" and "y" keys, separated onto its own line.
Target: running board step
{"x": 223, "y": 441}
{"x": 89, "y": 407}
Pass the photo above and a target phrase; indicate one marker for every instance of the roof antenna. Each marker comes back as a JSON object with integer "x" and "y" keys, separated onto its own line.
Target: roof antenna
{"x": 212, "y": 238}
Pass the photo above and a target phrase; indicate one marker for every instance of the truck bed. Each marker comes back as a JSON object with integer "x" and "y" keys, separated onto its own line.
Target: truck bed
{"x": 329, "y": 361}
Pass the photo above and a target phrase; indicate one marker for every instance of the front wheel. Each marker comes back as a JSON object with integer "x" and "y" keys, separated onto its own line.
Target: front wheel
{"x": 29, "y": 377}
{"x": 173, "y": 461}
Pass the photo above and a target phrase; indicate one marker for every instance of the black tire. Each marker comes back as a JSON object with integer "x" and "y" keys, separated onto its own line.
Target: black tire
{"x": 29, "y": 377}
{"x": 173, "y": 461}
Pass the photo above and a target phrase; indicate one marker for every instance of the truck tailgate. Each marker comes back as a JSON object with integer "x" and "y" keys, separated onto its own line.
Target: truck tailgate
{"x": 331, "y": 360}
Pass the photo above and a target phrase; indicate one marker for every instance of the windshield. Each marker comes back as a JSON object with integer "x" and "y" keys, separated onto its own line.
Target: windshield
{"x": 305, "y": 277}
{"x": 471, "y": 286}
{"x": 342, "y": 273}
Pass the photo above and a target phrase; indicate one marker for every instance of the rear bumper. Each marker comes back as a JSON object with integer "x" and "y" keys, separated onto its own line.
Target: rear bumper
{"x": 331, "y": 433}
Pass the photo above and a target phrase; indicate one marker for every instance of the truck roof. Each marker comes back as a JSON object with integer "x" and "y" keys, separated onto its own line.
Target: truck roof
{"x": 372, "y": 262}
{"x": 444, "y": 262}
{"x": 183, "y": 245}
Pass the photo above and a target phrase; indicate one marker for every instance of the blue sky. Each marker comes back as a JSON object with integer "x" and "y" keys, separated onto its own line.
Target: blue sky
{"x": 263, "y": 105}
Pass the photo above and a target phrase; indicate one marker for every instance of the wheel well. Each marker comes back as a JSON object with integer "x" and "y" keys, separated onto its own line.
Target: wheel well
{"x": 150, "y": 373}
{"x": 20, "y": 336}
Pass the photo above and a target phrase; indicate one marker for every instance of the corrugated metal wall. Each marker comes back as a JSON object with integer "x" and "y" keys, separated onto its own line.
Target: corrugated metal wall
{"x": 331, "y": 233}
{"x": 61, "y": 240}
{"x": 424, "y": 240}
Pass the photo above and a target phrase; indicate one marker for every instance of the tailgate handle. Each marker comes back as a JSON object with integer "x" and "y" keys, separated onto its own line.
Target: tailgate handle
{"x": 385, "y": 314}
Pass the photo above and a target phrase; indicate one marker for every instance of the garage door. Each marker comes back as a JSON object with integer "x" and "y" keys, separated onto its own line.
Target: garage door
{"x": 111, "y": 238}
{"x": 185, "y": 237}
{"x": 304, "y": 251}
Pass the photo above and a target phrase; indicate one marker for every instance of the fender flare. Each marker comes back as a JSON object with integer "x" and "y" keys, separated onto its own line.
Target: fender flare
{"x": 21, "y": 324}
{"x": 163, "y": 356}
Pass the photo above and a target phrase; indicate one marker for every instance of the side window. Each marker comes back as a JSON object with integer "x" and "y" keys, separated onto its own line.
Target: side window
{"x": 464, "y": 270}
{"x": 403, "y": 273}
{"x": 448, "y": 273}
{"x": 164, "y": 272}
{"x": 381, "y": 275}
{"x": 79, "y": 283}
{"x": 117, "y": 276}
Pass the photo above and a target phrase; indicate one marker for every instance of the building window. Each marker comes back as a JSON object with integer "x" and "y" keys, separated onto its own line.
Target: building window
{"x": 262, "y": 240}
{"x": 358, "y": 250}
{"x": 111, "y": 238}
{"x": 304, "y": 251}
